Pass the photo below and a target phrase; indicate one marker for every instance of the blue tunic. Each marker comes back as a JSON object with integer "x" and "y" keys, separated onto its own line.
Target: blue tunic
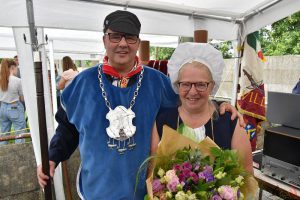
{"x": 223, "y": 126}
{"x": 105, "y": 174}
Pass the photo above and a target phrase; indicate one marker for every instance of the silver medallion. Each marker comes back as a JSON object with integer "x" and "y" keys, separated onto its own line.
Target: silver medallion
{"x": 120, "y": 130}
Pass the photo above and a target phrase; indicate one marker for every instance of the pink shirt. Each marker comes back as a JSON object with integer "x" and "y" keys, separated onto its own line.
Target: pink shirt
{"x": 69, "y": 75}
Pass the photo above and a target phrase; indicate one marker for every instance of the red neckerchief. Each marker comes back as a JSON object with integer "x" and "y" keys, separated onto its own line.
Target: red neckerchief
{"x": 107, "y": 69}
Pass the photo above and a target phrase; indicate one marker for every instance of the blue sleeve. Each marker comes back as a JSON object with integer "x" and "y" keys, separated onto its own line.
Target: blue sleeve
{"x": 65, "y": 140}
{"x": 296, "y": 89}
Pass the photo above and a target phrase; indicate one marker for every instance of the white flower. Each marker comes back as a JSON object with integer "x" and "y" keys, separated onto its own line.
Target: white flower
{"x": 169, "y": 195}
{"x": 161, "y": 172}
{"x": 170, "y": 175}
{"x": 181, "y": 196}
{"x": 220, "y": 175}
{"x": 239, "y": 180}
{"x": 192, "y": 197}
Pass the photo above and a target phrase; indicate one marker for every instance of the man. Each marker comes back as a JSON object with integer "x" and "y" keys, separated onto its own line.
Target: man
{"x": 18, "y": 67}
{"x": 110, "y": 110}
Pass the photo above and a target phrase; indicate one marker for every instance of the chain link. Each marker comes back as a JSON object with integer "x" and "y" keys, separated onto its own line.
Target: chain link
{"x": 104, "y": 95}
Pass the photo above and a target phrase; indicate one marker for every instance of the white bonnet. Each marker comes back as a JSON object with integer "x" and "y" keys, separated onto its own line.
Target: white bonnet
{"x": 201, "y": 52}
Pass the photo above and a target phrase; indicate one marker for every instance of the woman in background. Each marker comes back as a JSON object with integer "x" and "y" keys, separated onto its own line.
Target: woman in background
{"x": 69, "y": 73}
{"x": 11, "y": 95}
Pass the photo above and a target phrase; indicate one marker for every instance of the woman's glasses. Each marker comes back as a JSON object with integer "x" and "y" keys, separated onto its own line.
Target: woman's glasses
{"x": 117, "y": 37}
{"x": 199, "y": 86}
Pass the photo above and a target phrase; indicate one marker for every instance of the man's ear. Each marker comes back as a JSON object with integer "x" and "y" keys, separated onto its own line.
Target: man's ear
{"x": 139, "y": 41}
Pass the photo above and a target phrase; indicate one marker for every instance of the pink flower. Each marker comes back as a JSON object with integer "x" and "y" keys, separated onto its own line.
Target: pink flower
{"x": 172, "y": 185}
{"x": 171, "y": 174}
{"x": 201, "y": 175}
{"x": 226, "y": 192}
{"x": 177, "y": 167}
{"x": 187, "y": 165}
{"x": 194, "y": 177}
{"x": 157, "y": 186}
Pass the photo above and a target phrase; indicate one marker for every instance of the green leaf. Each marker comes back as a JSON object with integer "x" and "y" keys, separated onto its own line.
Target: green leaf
{"x": 146, "y": 197}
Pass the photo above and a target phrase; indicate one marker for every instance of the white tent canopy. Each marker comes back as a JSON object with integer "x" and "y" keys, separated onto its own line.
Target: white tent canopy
{"x": 165, "y": 17}
{"x": 79, "y": 45}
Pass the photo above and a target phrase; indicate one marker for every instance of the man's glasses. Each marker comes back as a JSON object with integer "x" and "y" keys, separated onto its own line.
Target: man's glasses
{"x": 117, "y": 37}
{"x": 200, "y": 86}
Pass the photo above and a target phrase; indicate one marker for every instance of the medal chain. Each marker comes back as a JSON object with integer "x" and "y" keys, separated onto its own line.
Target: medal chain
{"x": 104, "y": 95}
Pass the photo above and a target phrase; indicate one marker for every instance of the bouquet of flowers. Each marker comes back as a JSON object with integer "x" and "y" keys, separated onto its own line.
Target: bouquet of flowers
{"x": 186, "y": 170}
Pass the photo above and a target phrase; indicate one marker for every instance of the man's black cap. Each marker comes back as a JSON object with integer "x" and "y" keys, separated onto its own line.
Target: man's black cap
{"x": 122, "y": 21}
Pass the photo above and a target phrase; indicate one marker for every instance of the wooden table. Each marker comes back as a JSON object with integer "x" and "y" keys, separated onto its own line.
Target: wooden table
{"x": 275, "y": 187}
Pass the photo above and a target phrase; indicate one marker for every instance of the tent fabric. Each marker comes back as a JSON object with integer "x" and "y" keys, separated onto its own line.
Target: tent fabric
{"x": 79, "y": 45}
{"x": 190, "y": 15}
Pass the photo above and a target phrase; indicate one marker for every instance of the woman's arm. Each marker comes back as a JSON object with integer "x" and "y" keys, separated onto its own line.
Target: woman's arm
{"x": 241, "y": 143}
{"x": 61, "y": 83}
{"x": 154, "y": 140}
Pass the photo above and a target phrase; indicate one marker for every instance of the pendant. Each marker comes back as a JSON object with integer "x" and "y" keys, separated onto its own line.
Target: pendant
{"x": 120, "y": 128}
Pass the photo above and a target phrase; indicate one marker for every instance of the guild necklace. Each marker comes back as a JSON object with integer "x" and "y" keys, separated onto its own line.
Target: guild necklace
{"x": 120, "y": 130}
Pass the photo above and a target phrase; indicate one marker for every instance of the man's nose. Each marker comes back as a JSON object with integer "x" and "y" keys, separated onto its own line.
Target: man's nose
{"x": 123, "y": 41}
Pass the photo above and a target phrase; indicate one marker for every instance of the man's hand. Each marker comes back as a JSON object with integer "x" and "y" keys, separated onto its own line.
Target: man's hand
{"x": 225, "y": 106}
{"x": 43, "y": 178}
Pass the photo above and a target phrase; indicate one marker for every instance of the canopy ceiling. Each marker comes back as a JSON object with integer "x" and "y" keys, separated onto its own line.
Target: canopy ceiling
{"x": 79, "y": 45}
{"x": 165, "y": 17}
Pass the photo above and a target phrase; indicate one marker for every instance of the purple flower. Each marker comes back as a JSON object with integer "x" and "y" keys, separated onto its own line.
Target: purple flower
{"x": 197, "y": 167}
{"x": 208, "y": 168}
{"x": 209, "y": 177}
{"x": 201, "y": 175}
{"x": 216, "y": 197}
{"x": 157, "y": 186}
{"x": 206, "y": 175}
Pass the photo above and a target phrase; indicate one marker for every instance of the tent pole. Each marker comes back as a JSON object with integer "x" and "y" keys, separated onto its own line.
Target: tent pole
{"x": 40, "y": 98}
{"x": 237, "y": 55}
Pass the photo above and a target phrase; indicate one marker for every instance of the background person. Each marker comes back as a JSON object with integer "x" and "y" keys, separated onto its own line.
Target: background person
{"x": 69, "y": 73}
{"x": 11, "y": 110}
{"x": 16, "y": 59}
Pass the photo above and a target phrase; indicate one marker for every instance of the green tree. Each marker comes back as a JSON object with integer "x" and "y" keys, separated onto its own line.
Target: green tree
{"x": 225, "y": 47}
{"x": 161, "y": 53}
{"x": 283, "y": 38}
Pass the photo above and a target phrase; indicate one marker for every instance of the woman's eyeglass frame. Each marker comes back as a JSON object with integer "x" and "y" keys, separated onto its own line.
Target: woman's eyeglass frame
{"x": 199, "y": 86}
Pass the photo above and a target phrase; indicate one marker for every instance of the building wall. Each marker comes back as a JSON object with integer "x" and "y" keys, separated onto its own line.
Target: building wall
{"x": 281, "y": 73}
{"x": 18, "y": 180}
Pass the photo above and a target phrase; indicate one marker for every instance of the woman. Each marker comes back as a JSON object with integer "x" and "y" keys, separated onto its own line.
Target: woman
{"x": 12, "y": 110}
{"x": 69, "y": 73}
{"x": 197, "y": 116}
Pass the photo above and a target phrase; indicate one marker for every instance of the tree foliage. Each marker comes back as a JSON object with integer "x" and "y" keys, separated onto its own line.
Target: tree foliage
{"x": 283, "y": 38}
{"x": 161, "y": 53}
